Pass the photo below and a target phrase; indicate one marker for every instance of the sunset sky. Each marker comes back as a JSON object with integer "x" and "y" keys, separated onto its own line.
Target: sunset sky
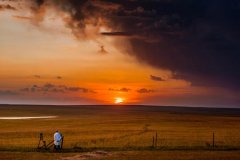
{"x": 155, "y": 52}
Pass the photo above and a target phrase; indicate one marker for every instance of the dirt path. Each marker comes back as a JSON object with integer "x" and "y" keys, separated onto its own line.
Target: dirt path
{"x": 90, "y": 155}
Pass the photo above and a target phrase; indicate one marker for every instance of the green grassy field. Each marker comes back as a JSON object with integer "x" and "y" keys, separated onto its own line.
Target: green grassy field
{"x": 123, "y": 129}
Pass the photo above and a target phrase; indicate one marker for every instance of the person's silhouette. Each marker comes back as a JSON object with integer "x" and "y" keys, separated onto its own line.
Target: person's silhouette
{"x": 57, "y": 140}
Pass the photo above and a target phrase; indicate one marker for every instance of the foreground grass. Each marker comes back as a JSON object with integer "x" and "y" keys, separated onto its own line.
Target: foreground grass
{"x": 131, "y": 155}
{"x": 31, "y": 156}
{"x": 177, "y": 155}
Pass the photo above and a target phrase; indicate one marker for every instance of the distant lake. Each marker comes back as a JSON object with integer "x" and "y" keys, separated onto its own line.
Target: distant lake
{"x": 36, "y": 117}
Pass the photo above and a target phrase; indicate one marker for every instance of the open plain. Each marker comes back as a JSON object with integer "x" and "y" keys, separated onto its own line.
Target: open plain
{"x": 121, "y": 132}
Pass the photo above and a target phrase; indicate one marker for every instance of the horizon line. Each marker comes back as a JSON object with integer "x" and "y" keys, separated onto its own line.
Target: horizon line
{"x": 143, "y": 105}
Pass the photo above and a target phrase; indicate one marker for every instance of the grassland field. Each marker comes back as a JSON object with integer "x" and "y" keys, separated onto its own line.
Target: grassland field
{"x": 183, "y": 133}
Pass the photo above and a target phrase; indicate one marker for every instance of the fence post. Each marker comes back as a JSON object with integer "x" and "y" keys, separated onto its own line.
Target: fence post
{"x": 62, "y": 142}
{"x": 156, "y": 139}
{"x": 40, "y": 139}
{"x": 213, "y": 140}
{"x": 153, "y": 142}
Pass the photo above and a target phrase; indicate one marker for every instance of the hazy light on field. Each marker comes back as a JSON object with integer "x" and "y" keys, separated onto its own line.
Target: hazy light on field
{"x": 16, "y": 118}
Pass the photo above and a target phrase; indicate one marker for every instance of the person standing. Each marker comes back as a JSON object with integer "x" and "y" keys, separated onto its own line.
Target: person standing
{"x": 57, "y": 140}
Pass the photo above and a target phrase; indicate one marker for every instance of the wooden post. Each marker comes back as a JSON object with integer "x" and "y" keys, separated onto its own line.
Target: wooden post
{"x": 41, "y": 136}
{"x": 40, "y": 139}
{"x": 156, "y": 139}
{"x": 213, "y": 140}
{"x": 153, "y": 142}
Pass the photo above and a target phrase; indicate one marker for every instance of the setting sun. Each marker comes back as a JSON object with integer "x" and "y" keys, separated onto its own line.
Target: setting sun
{"x": 118, "y": 100}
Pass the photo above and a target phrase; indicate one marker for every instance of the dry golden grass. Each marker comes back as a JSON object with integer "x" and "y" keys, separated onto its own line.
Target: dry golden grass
{"x": 117, "y": 126}
{"x": 120, "y": 127}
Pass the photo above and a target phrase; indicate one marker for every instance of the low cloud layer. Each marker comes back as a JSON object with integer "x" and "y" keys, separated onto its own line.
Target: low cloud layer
{"x": 52, "y": 88}
{"x": 120, "y": 90}
{"x": 145, "y": 90}
{"x": 47, "y": 77}
{"x": 59, "y": 77}
{"x": 37, "y": 76}
{"x": 7, "y": 93}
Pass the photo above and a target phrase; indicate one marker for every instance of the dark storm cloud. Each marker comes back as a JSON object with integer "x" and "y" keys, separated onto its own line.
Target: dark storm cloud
{"x": 130, "y": 36}
{"x": 47, "y": 88}
{"x": 145, "y": 90}
{"x": 117, "y": 34}
{"x": 198, "y": 40}
{"x": 39, "y": 2}
{"x": 156, "y": 78}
